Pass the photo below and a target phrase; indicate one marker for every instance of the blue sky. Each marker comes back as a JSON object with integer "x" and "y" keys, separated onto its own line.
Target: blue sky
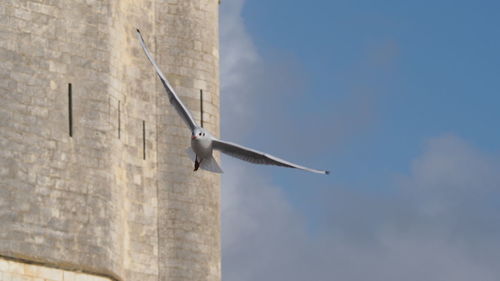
{"x": 399, "y": 99}
{"x": 432, "y": 66}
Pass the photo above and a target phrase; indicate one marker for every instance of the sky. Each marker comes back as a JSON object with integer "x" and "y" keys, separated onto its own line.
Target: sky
{"x": 399, "y": 99}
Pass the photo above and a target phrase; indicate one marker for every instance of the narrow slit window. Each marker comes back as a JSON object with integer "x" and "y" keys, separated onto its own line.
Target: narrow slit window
{"x": 201, "y": 108}
{"x": 70, "y": 110}
{"x": 144, "y": 139}
{"x": 119, "y": 120}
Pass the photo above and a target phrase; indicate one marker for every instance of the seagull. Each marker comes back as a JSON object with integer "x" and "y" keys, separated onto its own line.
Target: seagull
{"x": 203, "y": 143}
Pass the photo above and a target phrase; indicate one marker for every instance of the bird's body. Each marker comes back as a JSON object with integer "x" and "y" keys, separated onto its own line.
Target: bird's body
{"x": 203, "y": 143}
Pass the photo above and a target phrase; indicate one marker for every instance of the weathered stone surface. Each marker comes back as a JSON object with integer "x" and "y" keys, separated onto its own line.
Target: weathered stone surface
{"x": 91, "y": 202}
{"x": 11, "y": 270}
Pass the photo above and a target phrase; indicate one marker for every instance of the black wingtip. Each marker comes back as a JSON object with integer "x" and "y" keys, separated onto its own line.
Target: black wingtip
{"x": 138, "y": 31}
{"x": 327, "y": 172}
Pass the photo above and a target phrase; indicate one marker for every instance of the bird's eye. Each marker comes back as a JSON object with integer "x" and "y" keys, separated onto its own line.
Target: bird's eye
{"x": 199, "y": 134}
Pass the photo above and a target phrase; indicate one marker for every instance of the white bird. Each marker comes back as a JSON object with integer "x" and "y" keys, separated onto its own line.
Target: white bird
{"x": 203, "y": 143}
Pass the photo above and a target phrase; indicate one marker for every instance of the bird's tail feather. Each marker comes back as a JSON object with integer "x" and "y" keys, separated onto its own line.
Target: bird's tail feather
{"x": 210, "y": 164}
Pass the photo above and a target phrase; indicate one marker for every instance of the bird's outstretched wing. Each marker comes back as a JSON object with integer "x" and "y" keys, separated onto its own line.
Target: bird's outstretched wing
{"x": 256, "y": 157}
{"x": 172, "y": 96}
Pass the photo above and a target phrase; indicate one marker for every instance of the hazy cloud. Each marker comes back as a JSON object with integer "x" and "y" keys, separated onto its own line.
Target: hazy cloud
{"x": 252, "y": 88}
{"x": 436, "y": 223}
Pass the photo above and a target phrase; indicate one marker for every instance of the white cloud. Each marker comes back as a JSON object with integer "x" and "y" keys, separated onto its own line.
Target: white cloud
{"x": 364, "y": 236}
{"x": 238, "y": 59}
{"x": 257, "y": 224}
{"x": 247, "y": 197}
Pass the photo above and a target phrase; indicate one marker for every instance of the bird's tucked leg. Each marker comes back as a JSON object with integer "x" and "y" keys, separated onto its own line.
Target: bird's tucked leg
{"x": 196, "y": 164}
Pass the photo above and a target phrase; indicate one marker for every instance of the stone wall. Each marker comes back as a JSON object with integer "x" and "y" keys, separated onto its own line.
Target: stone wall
{"x": 58, "y": 201}
{"x": 118, "y": 197}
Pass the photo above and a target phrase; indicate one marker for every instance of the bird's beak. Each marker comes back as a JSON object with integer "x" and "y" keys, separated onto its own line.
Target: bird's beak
{"x": 193, "y": 137}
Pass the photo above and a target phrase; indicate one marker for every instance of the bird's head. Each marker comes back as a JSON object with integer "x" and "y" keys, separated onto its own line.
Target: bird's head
{"x": 199, "y": 133}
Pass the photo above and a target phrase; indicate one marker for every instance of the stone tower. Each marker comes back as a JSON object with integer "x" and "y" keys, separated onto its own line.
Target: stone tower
{"x": 94, "y": 180}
